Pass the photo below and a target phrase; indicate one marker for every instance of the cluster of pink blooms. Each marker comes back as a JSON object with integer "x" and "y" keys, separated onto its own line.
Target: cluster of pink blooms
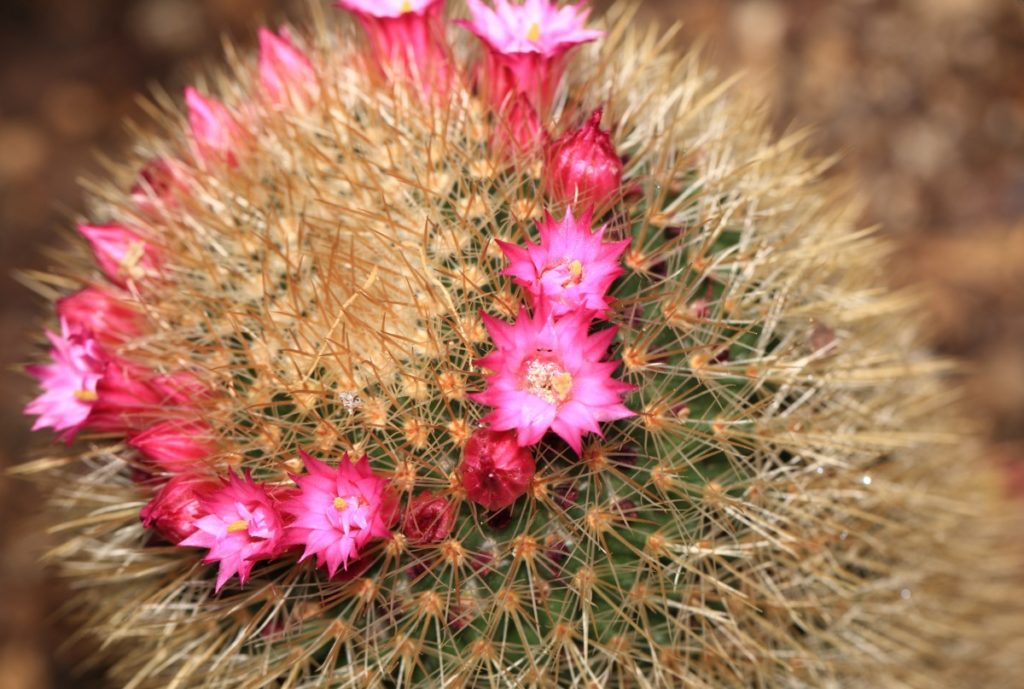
{"x": 547, "y": 371}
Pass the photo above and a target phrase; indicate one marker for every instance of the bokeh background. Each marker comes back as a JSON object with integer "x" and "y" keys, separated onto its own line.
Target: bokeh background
{"x": 922, "y": 99}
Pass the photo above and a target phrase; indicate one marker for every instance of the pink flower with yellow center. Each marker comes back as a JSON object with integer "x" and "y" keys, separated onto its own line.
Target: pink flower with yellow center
{"x": 240, "y": 526}
{"x": 572, "y": 267}
{"x": 526, "y": 46}
{"x": 69, "y": 383}
{"x": 338, "y": 510}
{"x": 547, "y": 374}
{"x": 407, "y": 39}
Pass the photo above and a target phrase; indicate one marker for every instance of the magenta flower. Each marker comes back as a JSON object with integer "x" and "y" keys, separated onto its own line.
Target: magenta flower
{"x": 285, "y": 72}
{"x": 121, "y": 254}
{"x": 520, "y": 131}
{"x": 69, "y": 383}
{"x": 158, "y": 182}
{"x": 571, "y": 268}
{"x": 407, "y": 39}
{"x": 176, "y": 445}
{"x": 583, "y": 166}
{"x": 337, "y": 511}
{"x": 127, "y": 399}
{"x": 240, "y": 526}
{"x": 181, "y": 388}
{"x": 526, "y": 47}
{"x": 105, "y": 315}
{"x": 495, "y": 470}
{"x": 175, "y": 509}
{"x": 215, "y": 131}
{"x": 547, "y": 374}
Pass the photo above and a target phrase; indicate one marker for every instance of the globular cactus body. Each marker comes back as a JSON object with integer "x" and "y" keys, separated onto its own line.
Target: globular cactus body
{"x": 319, "y": 265}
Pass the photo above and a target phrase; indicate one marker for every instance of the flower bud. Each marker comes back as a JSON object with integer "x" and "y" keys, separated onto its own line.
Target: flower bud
{"x": 175, "y": 445}
{"x": 158, "y": 181}
{"x": 495, "y": 470}
{"x": 214, "y": 130}
{"x": 583, "y": 166}
{"x": 173, "y": 511}
{"x": 94, "y": 310}
{"x": 428, "y": 519}
{"x": 126, "y": 400}
{"x": 120, "y": 253}
{"x": 285, "y": 72}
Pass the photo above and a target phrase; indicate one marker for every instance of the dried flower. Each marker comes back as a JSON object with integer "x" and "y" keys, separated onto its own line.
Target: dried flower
{"x": 101, "y": 313}
{"x": 215, "y": 131}
{"x": 285, "y": 72}
{"x": 526, "y": 47}
{"x": 121, "y": 253}
{"x": 176, "y": 507}
{"x": 240, "y": 526}
{"x": 548, "y": 375}
{"x": 583, "y": 166}
{"x": 337, "y": 511}
{"x": 571, "y": 268}
{"x": 495, "y": 469}
{"x": 428, "y": 519}
{"x": 176, "y": 445}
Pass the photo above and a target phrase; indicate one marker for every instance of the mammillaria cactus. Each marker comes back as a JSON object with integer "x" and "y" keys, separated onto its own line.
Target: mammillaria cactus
{"x": 678, "y": 435}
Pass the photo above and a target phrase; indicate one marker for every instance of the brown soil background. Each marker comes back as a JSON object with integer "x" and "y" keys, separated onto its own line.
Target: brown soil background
{"x": 923, "y": 99}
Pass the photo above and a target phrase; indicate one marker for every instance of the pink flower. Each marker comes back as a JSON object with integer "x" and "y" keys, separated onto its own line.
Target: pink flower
{"x": 583, "y": 166}
{"x": 571, "y": 268}
{"x": 526, "y": 47}
{"x": 495, "y": 470}
{"x": 407, "y": 39}
{"x": 176, "y": 445}
{"x": 547, "y": 374}
{"x": 69, "y": 383}
{"x": 126, "y": 399}
{"x": 338, "y": 511}
{"x": 285, "y": 72}
{"x": 520, "y": 131}
{"x": 121, "y": 254}
{"x": 240, "y": 526}
{"x": 428, "y": 519}
{"x": 181, "y": 388}
{"x": 176, "y": 507}
{"x": 105, "y": 315}
{"x": 158, "y": 182}
{"x": 216, "y": 133}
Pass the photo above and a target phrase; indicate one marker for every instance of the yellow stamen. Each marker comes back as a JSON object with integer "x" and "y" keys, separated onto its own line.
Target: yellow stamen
{"x": 576, "y": 269}
{"x": 340, "y": 503}
{"x": 240, "y": 525}
{"x": 86, "y": 395}
{"x": 562, "y": 385}
{"x": 533, "y": 34}
{"x": 406, "y": 6}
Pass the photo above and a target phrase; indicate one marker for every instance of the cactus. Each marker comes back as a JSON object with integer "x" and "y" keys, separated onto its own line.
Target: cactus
{"x": 312, "y": 263}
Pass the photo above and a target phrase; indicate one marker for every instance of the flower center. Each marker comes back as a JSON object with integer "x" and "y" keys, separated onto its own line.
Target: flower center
{"x": 86, "y": 396}
{"x": 340, "y": 503}
{"x": 533, "y": 35}
{"x": 236, "y": 526}
{"x": 548, "y": 381}
{"x": 406, "y": 7}
{"x": 575, "y": 273}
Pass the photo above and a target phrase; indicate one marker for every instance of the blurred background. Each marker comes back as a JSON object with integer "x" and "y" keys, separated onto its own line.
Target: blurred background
{"x": 923, "y": 100}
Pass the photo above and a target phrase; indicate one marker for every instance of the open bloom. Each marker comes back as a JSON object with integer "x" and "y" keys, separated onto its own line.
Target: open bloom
{"x": 121, "y": 253}
{"x": 571, "y": 268}
{"x": 547, "y": 374}
{"x": 285, "y": 72}
{"x": 101, "y": 313}
{"x": 215, "y": 131}
{"x": 526, "y": 47}
{"x": 176, "y": 507}
{"x": 240, "y": 525}
{"x": 495, "y": 470}
{"x": 583, "y": 165}
{"x": 69, "y": 383}
{"x": 337, "y": 511}
{"x": 176, "y": 445}
{"x": 407, "y": 39}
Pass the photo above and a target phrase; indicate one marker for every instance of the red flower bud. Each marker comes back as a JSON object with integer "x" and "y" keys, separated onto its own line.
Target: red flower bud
{"x": 120, "y": 253}
{"x": 173, "y": 511}
{"x": 583, "y": 167}
{"x": 175, "y": 445}
{"x": 495, "y": 470}
{"x": 126, "y": 399}
{"x": 101, "y": 313}
{"x": 158, "y": 182}
{"x": 428, "y": 519}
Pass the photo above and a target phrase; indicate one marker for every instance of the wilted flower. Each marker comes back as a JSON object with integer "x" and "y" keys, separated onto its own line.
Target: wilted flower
{"x": 428, "y": 519}
{"x": 337, "y": 511}
{"x": 176, "y": 507}
{"x": 121, "y": 253}
{"x": 571, "y": 268}
{"x": 547, "y": 374}
{"x": 103, "y": 314}
{"x": 285, "y": 72}
{"x": 240, "y": 525}
{"x": 175, "y": 445}
{"x": 495, "y": 470}
{"x": 215, "y": 132}
{"x": 583, "y": 166}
